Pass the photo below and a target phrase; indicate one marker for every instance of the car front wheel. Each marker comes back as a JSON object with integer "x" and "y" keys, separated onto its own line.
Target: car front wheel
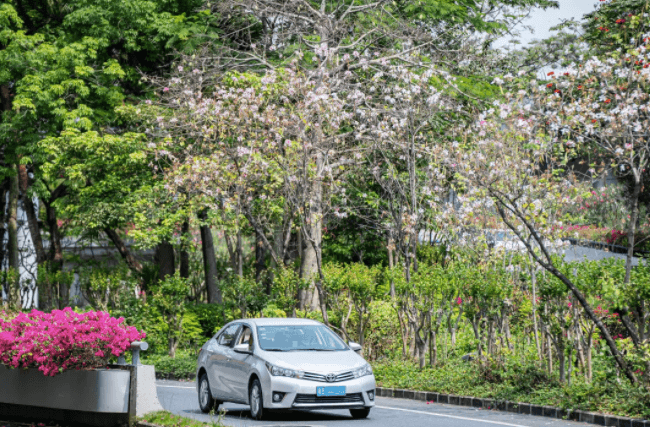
{"x": 256, "y": 401}
{"x": 359, "y": 413}
{"x": 206, "y": 401}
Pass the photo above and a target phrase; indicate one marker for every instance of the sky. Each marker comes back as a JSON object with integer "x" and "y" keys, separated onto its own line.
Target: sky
{"x": 542, "y": 20}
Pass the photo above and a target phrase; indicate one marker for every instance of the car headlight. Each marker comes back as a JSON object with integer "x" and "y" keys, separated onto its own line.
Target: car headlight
{"x": 277, "y": 371}
{"x": 362, "y": 371}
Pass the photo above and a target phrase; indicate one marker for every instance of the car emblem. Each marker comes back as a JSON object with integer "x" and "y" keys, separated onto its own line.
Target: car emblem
{"x": 330, "y": 378}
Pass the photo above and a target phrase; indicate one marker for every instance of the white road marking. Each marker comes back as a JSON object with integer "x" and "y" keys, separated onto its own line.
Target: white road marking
{"x": 435, "y": 414}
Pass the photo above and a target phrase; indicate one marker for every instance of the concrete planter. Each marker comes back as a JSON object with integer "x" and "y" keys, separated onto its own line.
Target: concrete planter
{"x": 100, "y": 398}
{"x": 98, "y": 391}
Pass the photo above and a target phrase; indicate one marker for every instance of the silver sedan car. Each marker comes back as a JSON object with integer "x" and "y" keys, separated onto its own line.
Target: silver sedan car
{"x": 283, "y": 364}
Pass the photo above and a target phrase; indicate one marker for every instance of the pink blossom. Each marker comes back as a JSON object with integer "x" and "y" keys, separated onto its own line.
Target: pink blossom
{"x": 61, "y": 340}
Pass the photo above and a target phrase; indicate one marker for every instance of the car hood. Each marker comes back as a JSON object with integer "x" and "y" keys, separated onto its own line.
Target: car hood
{"x": 322, "y": 362}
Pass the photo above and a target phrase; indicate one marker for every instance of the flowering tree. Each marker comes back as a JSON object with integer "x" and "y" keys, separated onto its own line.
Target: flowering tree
{"x": 406, "y": 116}
{"x": 341, "y": 44}
{"x": 514, "y": 160}
{"x": 247, "y": 138}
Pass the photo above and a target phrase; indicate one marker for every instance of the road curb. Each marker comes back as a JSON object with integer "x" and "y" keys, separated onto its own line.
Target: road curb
{"x": 515, "y": 407}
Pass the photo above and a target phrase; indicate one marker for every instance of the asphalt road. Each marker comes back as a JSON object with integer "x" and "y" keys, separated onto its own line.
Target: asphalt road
{"x": 181, "y": 398}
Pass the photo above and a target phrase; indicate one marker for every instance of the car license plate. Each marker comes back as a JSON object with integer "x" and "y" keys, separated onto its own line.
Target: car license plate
{"x": 331, "y": 391}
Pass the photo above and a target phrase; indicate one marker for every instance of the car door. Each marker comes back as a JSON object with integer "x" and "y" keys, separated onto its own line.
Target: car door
{"x": 219, "y": 354}
{"x": 239, "y": 367}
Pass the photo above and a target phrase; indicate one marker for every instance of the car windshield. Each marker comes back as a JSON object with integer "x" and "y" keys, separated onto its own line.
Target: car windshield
{"x": 298, "y": 338}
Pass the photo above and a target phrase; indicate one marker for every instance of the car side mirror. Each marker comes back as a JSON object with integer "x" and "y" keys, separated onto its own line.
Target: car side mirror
{"x": 242, "y": 348}
{"x": 354, "y": 347}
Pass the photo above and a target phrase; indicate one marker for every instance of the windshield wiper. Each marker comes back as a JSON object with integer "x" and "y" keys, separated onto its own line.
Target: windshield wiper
{"x": 274, "y": 349}
{"x": 317, "y": 349}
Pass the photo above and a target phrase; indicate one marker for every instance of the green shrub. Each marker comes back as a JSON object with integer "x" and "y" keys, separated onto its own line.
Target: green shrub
{"x": 272, "y": 310}
{"x": 381, "y": 338}
{"x": 209, "y": 316}
{"x": 183, "y": 366}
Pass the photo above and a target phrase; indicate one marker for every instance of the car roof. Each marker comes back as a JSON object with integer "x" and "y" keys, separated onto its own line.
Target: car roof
{"x": 279, "y": 321}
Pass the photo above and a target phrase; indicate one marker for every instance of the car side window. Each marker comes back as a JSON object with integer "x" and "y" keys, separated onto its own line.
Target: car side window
{"x": 228, "y": 335}
{"x": 246, "y": 337}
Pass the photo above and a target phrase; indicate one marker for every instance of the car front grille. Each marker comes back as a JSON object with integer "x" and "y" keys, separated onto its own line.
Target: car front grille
{"x": 312, "y": 399}
{"x": 343, "y": 376}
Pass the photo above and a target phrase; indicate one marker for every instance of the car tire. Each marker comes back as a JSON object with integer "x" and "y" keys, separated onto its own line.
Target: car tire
{"x": 206, "y": 402}
{"x": 360, "y": 413}
{"x": 256, "y": 400}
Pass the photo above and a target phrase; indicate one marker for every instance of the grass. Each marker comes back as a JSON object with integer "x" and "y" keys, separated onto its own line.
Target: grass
{"x": 167, "y": 419}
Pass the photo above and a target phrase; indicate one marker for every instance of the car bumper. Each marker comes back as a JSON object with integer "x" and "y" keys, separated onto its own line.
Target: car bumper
{"x": 356, "y": 393}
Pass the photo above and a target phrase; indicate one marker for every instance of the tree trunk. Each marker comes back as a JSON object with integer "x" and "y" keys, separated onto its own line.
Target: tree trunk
{"x": 32, "y": 219}
{"x": 403, "y": 329}
{"x": 421, "y": 346}
{"x": 549, "y": 352}
{"x": 634, "y": 214}
{"x": 589, "y": 364}
{"x": 391, "y": 264}
{"x": 4, "y": 189}
{"x": 56, "y": 252}
{"x": 260, "y": 258}
{"x": 164, "y": 258}
{"x": 184, "y": 254}
{"x": 209, "y": 261}
{"x": 131, "y": 262}
{"x": 433, "y": 348}
{"x": 240, "y": 255}
{"x": 490, "y": 336}
{"x": 309, "y": 271}
{"x": 301, "y": 292}
{"x": 477, "y": 335}
{"x": 313, "y": 236}
{"x": 561, "y": 358}
{"x": 13, "y": 285}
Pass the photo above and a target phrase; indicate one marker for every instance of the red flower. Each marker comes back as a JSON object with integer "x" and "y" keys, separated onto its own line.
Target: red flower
{"x": 550, "y": 74}
{"x": 607, "y": 101}
{"x": 549, "y": 85}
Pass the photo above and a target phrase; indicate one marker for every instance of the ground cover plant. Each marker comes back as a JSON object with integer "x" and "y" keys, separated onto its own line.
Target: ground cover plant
{"x": 516, "y": 382}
